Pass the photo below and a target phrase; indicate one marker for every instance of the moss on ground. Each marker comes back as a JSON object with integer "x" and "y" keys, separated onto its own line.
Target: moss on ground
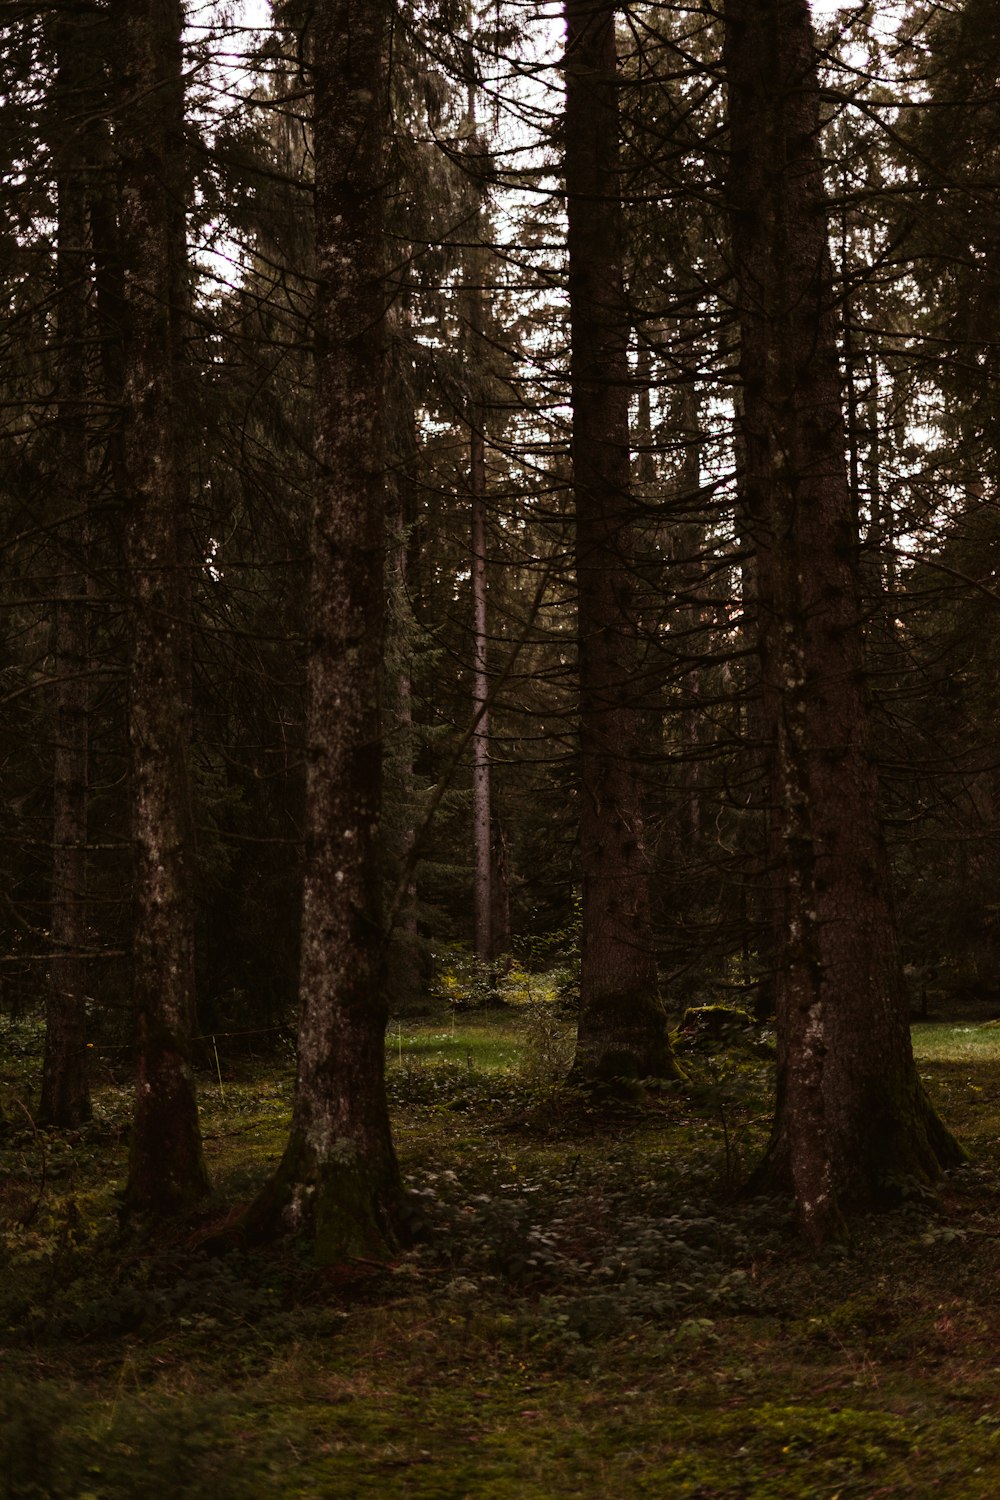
{"x": 589, "y": 1310}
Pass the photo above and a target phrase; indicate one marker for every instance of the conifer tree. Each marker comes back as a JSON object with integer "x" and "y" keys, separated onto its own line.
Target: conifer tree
{"x": 65, "y": 1099}
{"x": 622, "y": 1027}
{"x": 166, "y": 1165}
{"x": 853, "y": 1120}
{"x": 338, "y": 1179}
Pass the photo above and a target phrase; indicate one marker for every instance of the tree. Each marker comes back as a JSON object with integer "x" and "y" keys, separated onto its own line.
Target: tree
{"x": 65, "y": 1098}
{"x": 945, "y": 227}
{"x": 853, "y": 1121}
{"x": 484, "y": 881}
{"x": 338, "y": 1178}
{"x": 166, "y": 1166}
{"x": 622, "y": 1029}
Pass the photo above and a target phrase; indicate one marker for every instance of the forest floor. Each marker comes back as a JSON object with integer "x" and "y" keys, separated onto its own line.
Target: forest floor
{"x": 591, "y": 1309}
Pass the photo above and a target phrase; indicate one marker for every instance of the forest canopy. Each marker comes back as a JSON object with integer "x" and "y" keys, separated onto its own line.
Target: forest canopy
{"x": 491, "y": 485}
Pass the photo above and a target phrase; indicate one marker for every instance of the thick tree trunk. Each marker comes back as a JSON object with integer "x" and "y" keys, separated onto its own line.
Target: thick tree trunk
{"x": 166, "y": 1167}
{"x": 853, "y": 1121}
{"x": 65, "y": 1099}
{"x": 622, "y": 1029}
{"x": 338, "y": 1179}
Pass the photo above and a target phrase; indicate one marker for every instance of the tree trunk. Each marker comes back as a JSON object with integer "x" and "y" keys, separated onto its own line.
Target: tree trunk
{"x": 399, "y": 647}
{"x": 65, "y": 1099}
{"x": 166, "y": 1166}
{"x": 477, "y": 356}
{"x": 853, "y": 1121}
{"x": 622, "y": 1029}
{"x": 689, "y": 542}
{"x": 405, "y": 958}
{"x": 338, "y": 1179}
{"x": 482, "y": 821}
{"x": 761, "y": 879}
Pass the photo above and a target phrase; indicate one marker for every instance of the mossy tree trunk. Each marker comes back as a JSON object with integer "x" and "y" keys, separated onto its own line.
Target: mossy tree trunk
{"x": 853, "y": 1121}
{"x": 622, "y": 1029}
{"x": 338, "y": 1179}
{"x": 166, "y": 1166}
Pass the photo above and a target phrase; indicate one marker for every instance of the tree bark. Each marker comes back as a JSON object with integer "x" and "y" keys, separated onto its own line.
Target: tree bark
{"x": 338, "y": 1179}
{"x": 166, "y": 1166}
{"x": 65, "y": 1097}
{"x": 853, "y": 1121}
{"x": 406, "y": 953}
{"x": 482, "y": 822}
{"x": 399, "y": 646}
{"x": 485, "y": 872}
{"x": 622, "y": 1028}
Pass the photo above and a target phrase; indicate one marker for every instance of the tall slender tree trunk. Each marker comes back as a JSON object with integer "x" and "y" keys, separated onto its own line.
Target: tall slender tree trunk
{"x": 482, "y": 818}
{"x": 689, "y": 543}
{"x": 338, "y": 1179}
{"x": 761, "y": 880}
{"x": 853, "y": 1121}
{"x": 491, "y": 907}
{"x": 487, "y": 891}
{"x": 65, "y": 1099}
{"x": 166, "y": 1166}
{"x": 622, "y": 1029}
{"x": 400, "y": 630}
{"x": 405, "y": 967}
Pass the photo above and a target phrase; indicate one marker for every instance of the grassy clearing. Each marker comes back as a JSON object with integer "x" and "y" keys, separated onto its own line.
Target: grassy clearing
{"x": 589, "y": 1310}
{"x": 957, "y": 1041}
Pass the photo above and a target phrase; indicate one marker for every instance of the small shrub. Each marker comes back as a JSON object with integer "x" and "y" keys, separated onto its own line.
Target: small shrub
{"x": 464, "y": 981}
{"x": 549, "y": 1039}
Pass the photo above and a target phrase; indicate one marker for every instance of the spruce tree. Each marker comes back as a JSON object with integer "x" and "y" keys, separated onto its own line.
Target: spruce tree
{"x": 622, "y": 1027}
{"x": 853, "y": 1120}
{"x": 338, "y": 1180}
{"x": 166, "y": 1165}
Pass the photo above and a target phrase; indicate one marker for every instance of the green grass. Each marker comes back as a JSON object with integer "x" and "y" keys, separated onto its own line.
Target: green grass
{"x": 957, "y": 1041}
{"x": 590, "y": 1311}
{"x": 495, "y": 1047}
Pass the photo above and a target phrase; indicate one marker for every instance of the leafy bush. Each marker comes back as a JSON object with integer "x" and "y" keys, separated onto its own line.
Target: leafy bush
{"x": 465, "y": 982}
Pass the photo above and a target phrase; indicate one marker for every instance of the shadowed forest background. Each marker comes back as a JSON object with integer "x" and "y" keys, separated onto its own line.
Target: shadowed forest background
{"x": 498, "y": 727}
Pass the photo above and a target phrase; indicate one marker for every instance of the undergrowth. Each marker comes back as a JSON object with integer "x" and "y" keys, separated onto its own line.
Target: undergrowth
{"x": 589, "y": 1307}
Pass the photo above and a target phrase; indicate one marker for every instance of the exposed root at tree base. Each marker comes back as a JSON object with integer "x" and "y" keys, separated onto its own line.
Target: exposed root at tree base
{"x": 893, "y": 1158}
